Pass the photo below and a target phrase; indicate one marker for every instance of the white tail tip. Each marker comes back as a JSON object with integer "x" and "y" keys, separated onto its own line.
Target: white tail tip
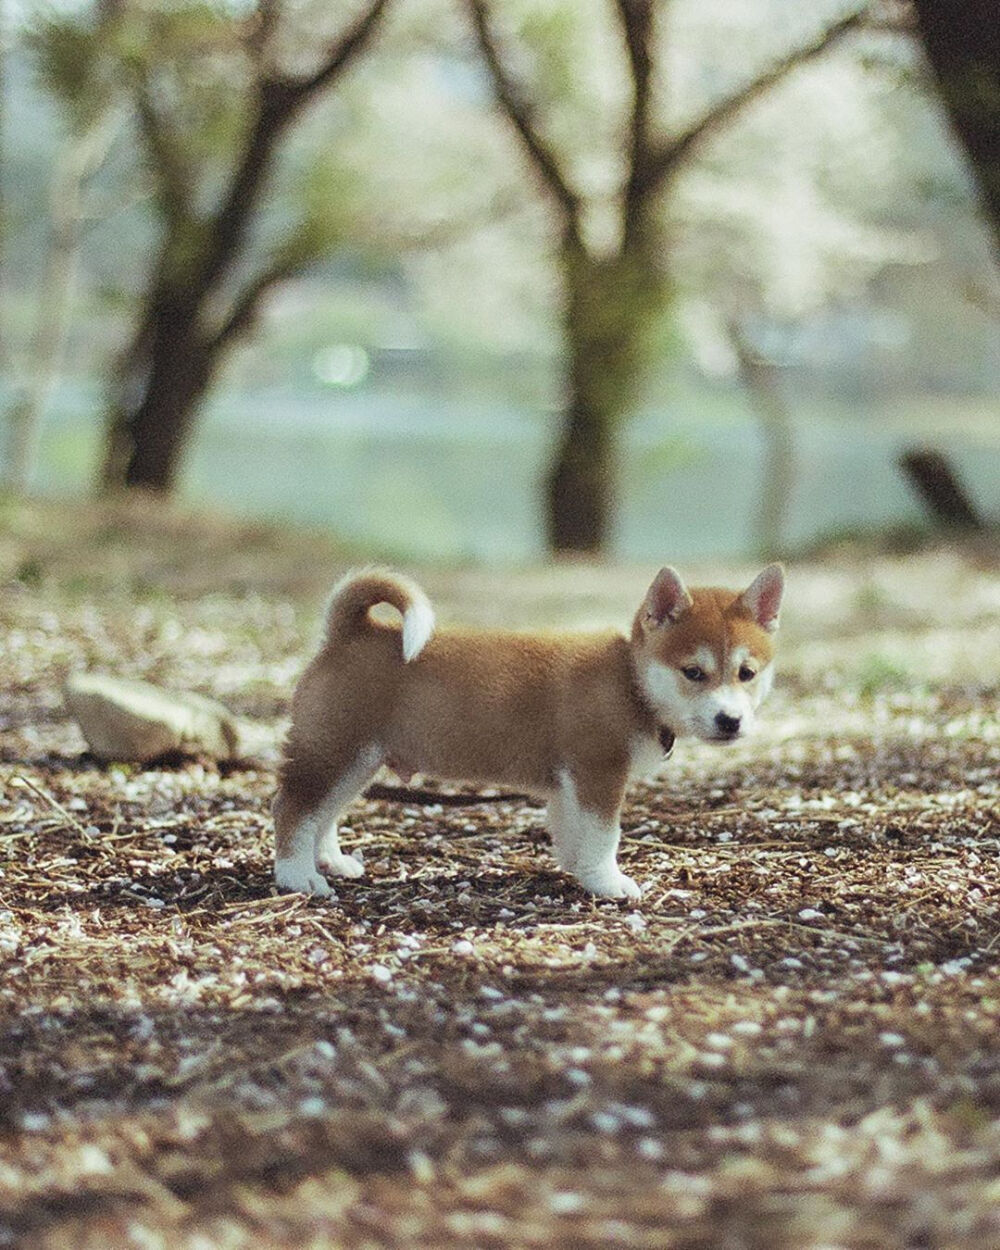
{"x": 418, "y": 625}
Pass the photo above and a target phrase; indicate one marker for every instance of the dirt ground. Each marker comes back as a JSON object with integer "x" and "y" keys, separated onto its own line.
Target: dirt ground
{"x": 790, "y": 1043}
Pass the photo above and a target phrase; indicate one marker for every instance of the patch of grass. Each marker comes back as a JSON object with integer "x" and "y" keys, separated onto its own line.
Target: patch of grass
{"x": 870, "y": 600}
{"x": 905, "y": 538}
{"x": 30, "y": 572}
{"x": 879, "y": 673}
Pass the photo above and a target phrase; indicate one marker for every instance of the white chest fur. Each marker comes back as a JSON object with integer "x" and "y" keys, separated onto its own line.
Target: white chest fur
{"x": 647, "y": 756}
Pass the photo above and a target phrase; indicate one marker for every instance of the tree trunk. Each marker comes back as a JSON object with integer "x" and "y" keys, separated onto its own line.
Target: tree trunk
{"x": 83, "y": 154}
{"x": 4, "y": 190}
{"x": 24, "y": 420}
{"x": 160, "y": 393}
{"x": 159, "y": 431}
{"x": 166, "y": 372}
{"x": 611, "y": 304}
{"x": 962, "y": 42}
{"x": 937, "y": 484}
{"x": 581, "y": 485}
{"x": 778, "y": 429}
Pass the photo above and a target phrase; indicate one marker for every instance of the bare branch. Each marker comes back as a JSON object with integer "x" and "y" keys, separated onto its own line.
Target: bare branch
{"x": 247, "y": 304}
{"x": 636, "y": 17}
{"x": 894, "y": 17}
{"x": 982, "y": 297}
{"x": 340, "y": 54}
{"x": 258, "y": 35}
{"x": 670, "y": 156}
{"x": 447, "y": 232}
{"x": 520, "y": 113}
{"x": 170, "y": 169}
{"x": 279, "y": 99}
{"x": 261, "y": 27}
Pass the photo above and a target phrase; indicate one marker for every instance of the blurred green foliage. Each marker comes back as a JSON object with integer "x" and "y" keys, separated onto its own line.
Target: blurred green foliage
{"x": 835, "y": 220}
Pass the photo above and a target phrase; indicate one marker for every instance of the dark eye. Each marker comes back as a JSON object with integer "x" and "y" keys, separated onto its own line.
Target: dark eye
{"x": 747, "y": 673}
{"x": 693, "y": 673}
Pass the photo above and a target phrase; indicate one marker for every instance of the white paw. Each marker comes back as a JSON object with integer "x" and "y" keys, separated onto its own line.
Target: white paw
{"x": 610, "y": 884}
{"x": 629, "y": 888}
{"x": 564, "y": 858}
{"x": 340, "y": 864}
{"x": 290, "y": 876}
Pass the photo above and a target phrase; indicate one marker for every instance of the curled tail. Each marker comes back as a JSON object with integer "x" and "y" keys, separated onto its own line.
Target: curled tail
{"x": 359, "y": 591}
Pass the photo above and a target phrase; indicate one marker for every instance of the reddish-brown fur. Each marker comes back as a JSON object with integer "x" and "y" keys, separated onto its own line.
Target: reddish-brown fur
{"x": 551, "y": 713}
{"x": 716, "y": 618}
{"x": 476, "y": 705}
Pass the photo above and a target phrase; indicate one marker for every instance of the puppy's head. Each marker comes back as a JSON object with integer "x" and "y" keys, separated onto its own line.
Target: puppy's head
{"x": 704, "y": 657}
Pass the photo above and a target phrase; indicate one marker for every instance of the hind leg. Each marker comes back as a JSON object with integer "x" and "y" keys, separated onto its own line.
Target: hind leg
{"x": 327, "y": 850}
{"x": 306, "y": 839}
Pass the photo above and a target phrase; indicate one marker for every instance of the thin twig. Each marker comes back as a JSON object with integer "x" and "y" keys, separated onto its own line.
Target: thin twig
{"x": 18, "y": 779}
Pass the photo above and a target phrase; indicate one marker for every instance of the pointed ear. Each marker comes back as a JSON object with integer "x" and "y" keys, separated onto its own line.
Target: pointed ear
{"x": 762, "y": 598}
{"x": 667, "y": 598}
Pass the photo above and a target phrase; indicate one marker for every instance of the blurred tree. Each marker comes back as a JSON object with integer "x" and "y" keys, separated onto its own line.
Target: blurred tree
{"x": 783, "y": 223}
{"x": 216, "y": 90}
{"x": 614, "y": 284}
{"x": 762, "y": 382}
{"x": 3, "y": 171}
{"x": 962, "y": 41}
{"x": 92, "y": 120}
{"x": 208, "y": 87}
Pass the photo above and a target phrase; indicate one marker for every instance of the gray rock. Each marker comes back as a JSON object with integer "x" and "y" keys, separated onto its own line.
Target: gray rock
{"x": 136, "y": 721}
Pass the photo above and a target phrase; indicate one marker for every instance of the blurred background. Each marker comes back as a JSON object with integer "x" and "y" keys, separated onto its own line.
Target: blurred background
{"x": 488, "y": 279}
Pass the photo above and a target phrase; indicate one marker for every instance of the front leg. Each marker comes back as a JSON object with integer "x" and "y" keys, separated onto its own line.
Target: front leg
{"x": 583, "y": 823}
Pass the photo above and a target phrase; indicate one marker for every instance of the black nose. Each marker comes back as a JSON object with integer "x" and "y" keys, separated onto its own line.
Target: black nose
{"x": 728, "y": 725}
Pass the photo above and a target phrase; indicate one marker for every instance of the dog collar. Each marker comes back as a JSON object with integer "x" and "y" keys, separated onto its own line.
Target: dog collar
{"x": 664, "y": 734}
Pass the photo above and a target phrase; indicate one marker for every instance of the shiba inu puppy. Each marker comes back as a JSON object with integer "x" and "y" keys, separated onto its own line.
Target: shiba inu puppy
{"x": 569, "y": 717}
